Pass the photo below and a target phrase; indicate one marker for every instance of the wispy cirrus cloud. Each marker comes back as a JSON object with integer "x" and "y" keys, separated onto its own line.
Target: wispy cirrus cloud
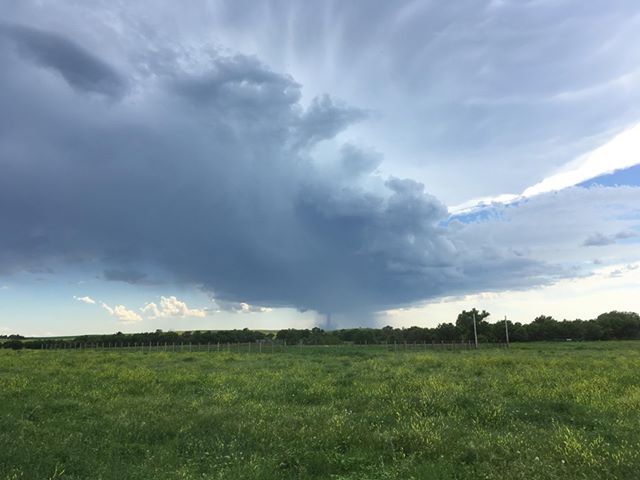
{"x": 617, "y": 154}
{"x": 85, "y": 299}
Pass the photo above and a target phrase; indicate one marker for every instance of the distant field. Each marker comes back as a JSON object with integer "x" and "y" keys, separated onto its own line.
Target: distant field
{"x": 535, "y": 411}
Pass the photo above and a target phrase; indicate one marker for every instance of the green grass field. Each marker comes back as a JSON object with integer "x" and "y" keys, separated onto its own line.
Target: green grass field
{"x": 535, "y": 411}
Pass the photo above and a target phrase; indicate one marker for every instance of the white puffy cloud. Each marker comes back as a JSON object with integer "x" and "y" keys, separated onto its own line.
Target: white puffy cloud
{"x": 171, "y": 307}
{"x": 123, "y": 314}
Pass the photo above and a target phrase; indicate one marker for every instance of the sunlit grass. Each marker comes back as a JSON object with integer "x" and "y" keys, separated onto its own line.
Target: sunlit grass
{"x": 534, "y": 411}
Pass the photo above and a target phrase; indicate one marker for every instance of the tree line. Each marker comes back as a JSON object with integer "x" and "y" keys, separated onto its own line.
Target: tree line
{"x": 613, "y": 325}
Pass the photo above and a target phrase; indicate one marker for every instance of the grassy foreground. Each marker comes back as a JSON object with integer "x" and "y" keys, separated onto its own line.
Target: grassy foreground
{"x": 536, "y": 411}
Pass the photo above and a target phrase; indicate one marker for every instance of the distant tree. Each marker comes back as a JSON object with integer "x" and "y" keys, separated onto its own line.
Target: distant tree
{"x": 542, "y": 319}
{"x": 446, "y": 332}
{"x": 592, "y": 330}
{"x": 518, "y": 332}
{"x": 13, "y": 344}
{"x": 543, "y": 327}
{"x": 464, "y": 323}
{"x": 417, "y": 334}
{"x": 292, "y": 335}
{"x": 619, "y": 325}
{"x": 388, "y": 334}
{"x": 497, "y": 332}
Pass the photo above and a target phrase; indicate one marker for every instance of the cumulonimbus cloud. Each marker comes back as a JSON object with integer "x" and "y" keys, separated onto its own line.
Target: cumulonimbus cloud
{"x": 211, "y": 177}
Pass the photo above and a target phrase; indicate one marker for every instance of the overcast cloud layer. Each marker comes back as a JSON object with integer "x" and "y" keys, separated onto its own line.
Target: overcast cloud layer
{"x": 459, "y": 89}
{"x": 161, "y": 162}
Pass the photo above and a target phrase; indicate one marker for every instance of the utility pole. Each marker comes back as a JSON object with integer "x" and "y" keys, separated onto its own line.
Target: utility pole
{"x": 506, "y": 330}
{"x": 475, "y": 332}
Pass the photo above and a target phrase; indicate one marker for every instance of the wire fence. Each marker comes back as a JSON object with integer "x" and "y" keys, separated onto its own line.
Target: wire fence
{"x": 263, "y": 347}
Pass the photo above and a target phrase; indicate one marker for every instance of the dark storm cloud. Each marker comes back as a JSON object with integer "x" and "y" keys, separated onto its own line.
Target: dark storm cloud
{"x": 471, "y": 85}
{"x": 80, "y": 68}
{"x": 236, "y": 82}
{"x": 324, "y": 119}
{"x": 357, "y": 161}
{"x": 133, "y": 277}
{"x": 212, "y": 178}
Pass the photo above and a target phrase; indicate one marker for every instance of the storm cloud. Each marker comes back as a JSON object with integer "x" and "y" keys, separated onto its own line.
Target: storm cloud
{"x": 81, "y": 69}
{"x": 213, "y": 171}
{"x": 209, "y": 177}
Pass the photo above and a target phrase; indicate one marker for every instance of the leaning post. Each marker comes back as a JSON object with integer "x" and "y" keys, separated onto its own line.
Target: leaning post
{"x": 506, "y": 330}
{"x": 475, "y": 331}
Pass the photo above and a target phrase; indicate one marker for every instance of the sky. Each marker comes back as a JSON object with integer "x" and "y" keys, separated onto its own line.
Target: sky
{"x": 237, "y": 164}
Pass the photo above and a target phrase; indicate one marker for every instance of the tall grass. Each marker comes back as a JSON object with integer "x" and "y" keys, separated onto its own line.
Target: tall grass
{"x": 542, "y": 411}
